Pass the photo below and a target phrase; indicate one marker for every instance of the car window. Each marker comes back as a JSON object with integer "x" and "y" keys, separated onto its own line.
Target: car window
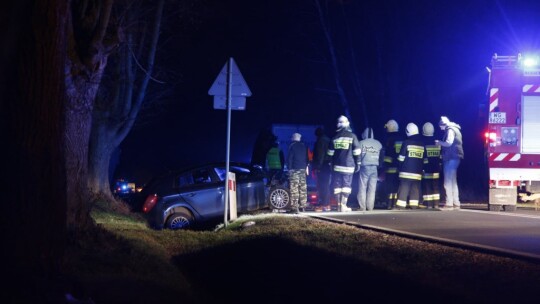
{"x": 185, "y": 180}
{"x": 241, "y": 173}
{"x": 201, "y": 176}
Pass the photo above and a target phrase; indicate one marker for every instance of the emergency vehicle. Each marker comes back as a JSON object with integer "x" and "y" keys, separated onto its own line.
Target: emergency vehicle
{"x": 513, "y": 130}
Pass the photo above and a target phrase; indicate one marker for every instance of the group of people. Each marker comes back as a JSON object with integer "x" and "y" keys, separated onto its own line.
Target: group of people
{"x": 409, "y": 166}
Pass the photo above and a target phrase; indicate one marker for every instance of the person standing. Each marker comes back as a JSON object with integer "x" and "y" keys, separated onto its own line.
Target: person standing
{"x": 432, "y": 168}
{"x": 392, "y": 146}
{"x": 370, "y": 159}
{"x": 452, "y": 154}
{"x": 344, "y": 150}
{"x": 297, "y": 163}
{"x": 411, "y": 162}
{"x": 274, "y": 160}
{"x": 321, "y": 168}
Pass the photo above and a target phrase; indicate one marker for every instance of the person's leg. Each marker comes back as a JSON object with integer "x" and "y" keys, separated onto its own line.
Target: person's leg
{"x": 302, "y": 187}
{"x": 294, "y": 184}
{"x": 403, "y": 193}
{"x": 414, "y": 198}
{"x": 362, "y": 188}
{"x": 448, "y": 185}
{"x": 455, "y": 188}
{"x": 371, "y": 187}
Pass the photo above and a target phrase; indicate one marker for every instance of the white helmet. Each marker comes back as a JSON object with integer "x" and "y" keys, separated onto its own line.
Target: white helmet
{"x": 428, "y": 129}
{"x": 342, "y": 122}
{"x": 391, "y": 126}
{"x": 412, "y": 129}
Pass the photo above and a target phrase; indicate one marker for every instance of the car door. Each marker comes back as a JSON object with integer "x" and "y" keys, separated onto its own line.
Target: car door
{"x": 202, "y": 192}
{"x": 250, "y": 188}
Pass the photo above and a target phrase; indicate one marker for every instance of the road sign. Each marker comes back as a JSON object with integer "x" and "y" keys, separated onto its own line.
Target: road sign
{"x": 237, "y": 103}
{"x": 239, "y": 86}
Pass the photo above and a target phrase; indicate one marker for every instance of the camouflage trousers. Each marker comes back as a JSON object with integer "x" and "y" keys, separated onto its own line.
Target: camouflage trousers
{"x": 298, "y": 188}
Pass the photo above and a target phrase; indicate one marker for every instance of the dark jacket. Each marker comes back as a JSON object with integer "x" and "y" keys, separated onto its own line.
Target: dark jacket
{"x": 297, "y": 157}
{"x": 392, "y": 146}
{"x": 344, "y": 151}
{"x": 319, "y": 152}
{"x": 411, "y": 158}
{"x": 432, "y": 158}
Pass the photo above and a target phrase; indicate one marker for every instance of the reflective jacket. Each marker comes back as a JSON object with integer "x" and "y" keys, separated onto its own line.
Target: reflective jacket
{"x": 432, "y": 158}
{"x": 411, "y": 158}
{"x": 344, "y": 151}
{"x": 274, "y": 159}
{"x": 392, "y": 146}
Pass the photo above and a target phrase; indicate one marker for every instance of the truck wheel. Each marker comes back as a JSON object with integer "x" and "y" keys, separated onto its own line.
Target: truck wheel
{"x": 279, "y": 198}
{"x": 510, "y": 208}
{"x": 494, "y": 207}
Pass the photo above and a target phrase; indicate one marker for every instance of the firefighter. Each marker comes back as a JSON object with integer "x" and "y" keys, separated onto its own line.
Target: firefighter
{"x": 432, "y": 168}
{"x": 411, "y": 162}
{"x": 391, "y": 150}
{"x": 370, "y": 159}
{"x": 452, "y": 154}
{"x": 344, "y": 150}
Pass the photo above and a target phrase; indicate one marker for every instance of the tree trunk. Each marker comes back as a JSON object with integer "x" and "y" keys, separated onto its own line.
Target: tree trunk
{"x": 101, "y": 148}
{"x": 33, "y": 215}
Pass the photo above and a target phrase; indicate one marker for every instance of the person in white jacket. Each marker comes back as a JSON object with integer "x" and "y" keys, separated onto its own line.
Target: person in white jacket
{"x": 371, "y": 157}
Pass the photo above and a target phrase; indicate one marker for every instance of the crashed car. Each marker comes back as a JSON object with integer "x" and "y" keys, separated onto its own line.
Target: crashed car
{"x": 184, "y": 198}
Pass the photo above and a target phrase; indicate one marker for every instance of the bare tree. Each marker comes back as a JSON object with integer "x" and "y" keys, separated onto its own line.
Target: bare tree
{"x": 121, "y": 98}
{"x": 333, "y": 57}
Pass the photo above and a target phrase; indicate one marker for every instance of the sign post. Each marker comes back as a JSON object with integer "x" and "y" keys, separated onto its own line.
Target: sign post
{"x": 230, "y": 91}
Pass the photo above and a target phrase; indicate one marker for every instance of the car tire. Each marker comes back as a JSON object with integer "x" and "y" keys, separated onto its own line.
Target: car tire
{"x": 180, "y": 219}
{"x": 279, "y": 198}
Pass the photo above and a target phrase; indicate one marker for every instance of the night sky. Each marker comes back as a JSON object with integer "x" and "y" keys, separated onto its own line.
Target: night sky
{"x": 412, "y": 61}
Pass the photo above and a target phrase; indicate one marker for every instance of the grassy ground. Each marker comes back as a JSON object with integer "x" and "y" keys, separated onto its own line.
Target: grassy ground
{"x": 286, "y": 259}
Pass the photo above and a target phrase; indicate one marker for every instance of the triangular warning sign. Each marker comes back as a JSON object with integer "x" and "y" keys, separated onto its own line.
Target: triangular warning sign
{"x": 238, "y": 84}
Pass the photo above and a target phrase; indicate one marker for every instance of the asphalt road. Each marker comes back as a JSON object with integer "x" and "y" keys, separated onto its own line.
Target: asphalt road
{"x": 515, "y": 234}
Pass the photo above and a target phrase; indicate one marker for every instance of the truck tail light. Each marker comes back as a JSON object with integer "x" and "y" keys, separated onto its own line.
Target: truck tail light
{"x": 490, "y": 136}
{"x": 150, "y": 202}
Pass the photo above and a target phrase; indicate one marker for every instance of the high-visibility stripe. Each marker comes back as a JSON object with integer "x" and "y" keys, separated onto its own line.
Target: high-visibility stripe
{"x": 343, "y": 169}
{"x": 531, "y": 88}
{"x": 391, "y": 170}
{"x": 413, "y": 203}
{"x": 388, "y": 159}
{"x": 493, "y": 99}
{"x": 431, "y": 175}
{"x": 408, "y": 175}
{"x": 401, "y": 203}
{"x": 504, "y": 156}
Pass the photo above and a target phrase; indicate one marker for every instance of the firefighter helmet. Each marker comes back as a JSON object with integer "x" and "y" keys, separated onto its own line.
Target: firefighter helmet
{"x": 342, "y": 122}
{"x": 391, "y": 126}
{"x": 412, "y": 129}
{"x": 427, "y": 129}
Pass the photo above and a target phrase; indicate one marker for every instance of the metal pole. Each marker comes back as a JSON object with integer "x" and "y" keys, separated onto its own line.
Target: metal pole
{"x": 229, "y": 89}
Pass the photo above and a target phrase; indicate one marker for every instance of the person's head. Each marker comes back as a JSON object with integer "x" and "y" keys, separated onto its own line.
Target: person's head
{"x": 411, "y": 129}
{"x": 296, "y": 137}
{"x": 319, "y": 131}
{"x": 428, "y": 129}
{"x": 368, "y": 133}
{"x": 342, "y": 122}
{"x": 391, "y": 126}
{"x": 443, "y": 123}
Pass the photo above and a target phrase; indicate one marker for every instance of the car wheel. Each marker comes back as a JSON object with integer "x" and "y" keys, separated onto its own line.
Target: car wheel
{"x": 279, "y": 198}
{"x": 181, "y": 219}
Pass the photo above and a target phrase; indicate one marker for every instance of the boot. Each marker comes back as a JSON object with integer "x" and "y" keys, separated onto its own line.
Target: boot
{"x": 343, "y": 204}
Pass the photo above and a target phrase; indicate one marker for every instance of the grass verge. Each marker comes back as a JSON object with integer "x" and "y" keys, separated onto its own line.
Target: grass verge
{"x": 285, "y": 259}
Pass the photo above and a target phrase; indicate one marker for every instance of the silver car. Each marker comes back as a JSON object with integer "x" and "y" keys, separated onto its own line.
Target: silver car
{"x": 181, "y": 199}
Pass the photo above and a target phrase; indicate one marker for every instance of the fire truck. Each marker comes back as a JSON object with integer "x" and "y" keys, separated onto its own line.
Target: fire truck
{"x": 513, "y": 130}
